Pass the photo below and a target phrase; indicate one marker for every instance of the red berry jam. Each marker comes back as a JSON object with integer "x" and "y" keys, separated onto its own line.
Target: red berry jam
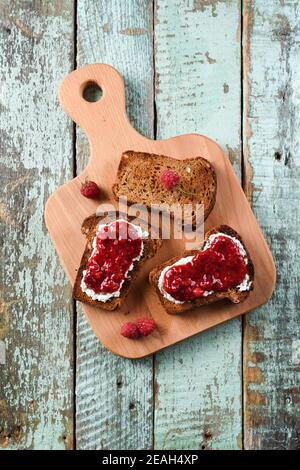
{"x": 116, "y": 246}
{"x": 219, "y": 267}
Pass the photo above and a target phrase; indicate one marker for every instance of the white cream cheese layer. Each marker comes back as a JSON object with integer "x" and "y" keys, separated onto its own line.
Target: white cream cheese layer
{"x": 243, "y": 286}
{"x": 104, "y": 297}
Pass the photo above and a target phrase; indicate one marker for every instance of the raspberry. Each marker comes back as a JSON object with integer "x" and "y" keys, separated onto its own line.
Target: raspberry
{"x": 89, "y": 189}
{"x": 198, "y": 292}
{"x": 145, "y": 326}
{"x": 130, "y": 330}
{"x": 169, "y": 179}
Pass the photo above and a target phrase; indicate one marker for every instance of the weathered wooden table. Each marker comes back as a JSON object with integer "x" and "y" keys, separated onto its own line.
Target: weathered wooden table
{"x": 228, "y": 69}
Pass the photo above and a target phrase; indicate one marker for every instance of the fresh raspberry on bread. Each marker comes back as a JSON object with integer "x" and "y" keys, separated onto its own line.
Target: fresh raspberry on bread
{"x": 148, "y": 179}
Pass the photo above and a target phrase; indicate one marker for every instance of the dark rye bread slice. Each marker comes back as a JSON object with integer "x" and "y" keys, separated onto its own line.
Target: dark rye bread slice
{"x": 138, "y": 178}
{"x": 88, "y": 228}
{"x": 234, "y": 295}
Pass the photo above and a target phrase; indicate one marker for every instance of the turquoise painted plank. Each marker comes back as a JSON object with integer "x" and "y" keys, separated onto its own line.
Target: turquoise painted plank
{"x": 198, "y": 71}
{"x": 113, "y": 395}
{"x": 197, "y": 59}
{"x": 272, "y": 138}
{"x": 36, "y": 402}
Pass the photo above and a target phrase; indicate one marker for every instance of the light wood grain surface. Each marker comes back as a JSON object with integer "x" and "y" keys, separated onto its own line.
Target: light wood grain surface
{"x": 200, "y": 386}
{"x": 110, "y": 134}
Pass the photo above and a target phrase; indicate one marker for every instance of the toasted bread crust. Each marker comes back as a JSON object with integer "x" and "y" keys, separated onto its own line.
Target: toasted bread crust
{"x": 88, "y": 228}
{"x": 234, "y": 295}
{"x": 147, "y": 168}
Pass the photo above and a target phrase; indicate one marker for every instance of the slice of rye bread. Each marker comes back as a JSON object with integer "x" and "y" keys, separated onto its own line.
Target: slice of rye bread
{"x": 234, "y": 295}
{"x": 88, "y": 228}
{"x": 138, "y": 178}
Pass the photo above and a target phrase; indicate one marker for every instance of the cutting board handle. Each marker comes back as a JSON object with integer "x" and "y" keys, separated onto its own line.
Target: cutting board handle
{"x": 108, "y": 111}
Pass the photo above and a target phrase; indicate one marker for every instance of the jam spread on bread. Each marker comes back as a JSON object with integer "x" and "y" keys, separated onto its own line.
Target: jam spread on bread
{"x": 115, "y": 248}
{"x": 218, "y": 267}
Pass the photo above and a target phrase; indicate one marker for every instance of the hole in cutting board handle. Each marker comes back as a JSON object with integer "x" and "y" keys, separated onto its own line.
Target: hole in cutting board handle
{"x": 92, "y": 92}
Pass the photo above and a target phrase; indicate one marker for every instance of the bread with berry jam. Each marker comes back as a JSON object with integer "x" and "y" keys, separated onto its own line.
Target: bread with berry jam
{"x": 138, "y": 179}
{"x": 234, "y": 294}
{"x": 89, "y": 229}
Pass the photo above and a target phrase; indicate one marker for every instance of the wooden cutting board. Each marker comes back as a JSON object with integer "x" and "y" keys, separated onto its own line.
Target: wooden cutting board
{"x": 109, "y": 133}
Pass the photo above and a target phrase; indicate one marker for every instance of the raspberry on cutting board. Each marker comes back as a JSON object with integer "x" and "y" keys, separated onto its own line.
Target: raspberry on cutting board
{"x": 130, "y": 330}
{"x": 146, "y": 326}
{"x": 89, "y": 189}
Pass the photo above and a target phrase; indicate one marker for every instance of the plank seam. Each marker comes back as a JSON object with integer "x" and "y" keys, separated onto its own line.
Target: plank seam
{"x": 154, "y": 71}
{"x": 154, "y": 137}
{"x": 74, "y": 175}
{"x": 243, "y": 186}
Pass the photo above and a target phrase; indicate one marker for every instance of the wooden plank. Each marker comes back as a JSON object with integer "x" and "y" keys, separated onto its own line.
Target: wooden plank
{"x": 114, "y": 395}
{"x": 197, "y": 58}
{"x": 272, "y": 104}
{"x": 36, "y": 403}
